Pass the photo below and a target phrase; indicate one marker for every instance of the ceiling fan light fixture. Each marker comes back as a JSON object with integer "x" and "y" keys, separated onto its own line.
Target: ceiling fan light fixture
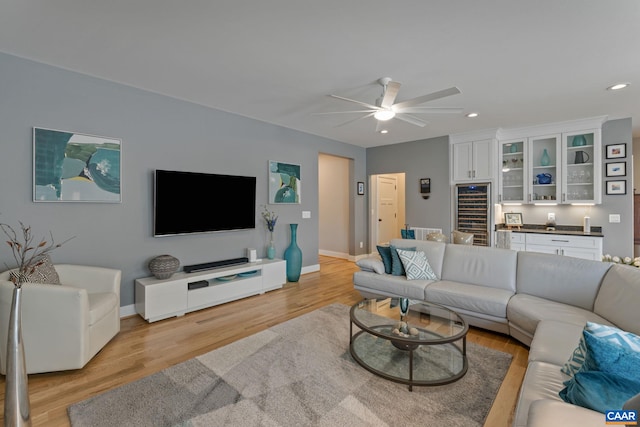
{"x": 384, "y": 115}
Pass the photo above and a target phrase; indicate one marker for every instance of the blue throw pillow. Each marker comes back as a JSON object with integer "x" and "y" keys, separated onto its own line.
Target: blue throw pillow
{"x": 599, "y": 391}
{"x": 385, "y": 254}
{"x": 611, "y": 358}
{"x": 611, "y": 333}
{"x": 397, "y": 269}
{"x": 408, "y": 234}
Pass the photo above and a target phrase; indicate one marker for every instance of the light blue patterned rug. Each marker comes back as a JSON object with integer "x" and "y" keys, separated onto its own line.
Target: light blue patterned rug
{"x": 298, "y": 373}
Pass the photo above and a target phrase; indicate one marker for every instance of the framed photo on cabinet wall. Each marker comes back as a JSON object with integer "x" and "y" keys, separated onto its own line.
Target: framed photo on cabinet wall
{"x": 616, "y": 187}
{"x": 616, "y": 151}
{"x": 617, "y": 169}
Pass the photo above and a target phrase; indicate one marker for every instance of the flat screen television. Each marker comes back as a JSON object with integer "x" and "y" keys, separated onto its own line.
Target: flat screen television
{"x": 192, "y": 202}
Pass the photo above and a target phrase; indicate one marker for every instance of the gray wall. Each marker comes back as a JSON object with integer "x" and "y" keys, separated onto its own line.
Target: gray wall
{"x": 157, "y": 133}
{"x": 419, "y": 159}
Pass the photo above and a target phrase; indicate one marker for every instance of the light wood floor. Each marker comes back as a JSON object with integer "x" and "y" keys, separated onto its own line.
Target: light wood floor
{"x": 141, "y": 349}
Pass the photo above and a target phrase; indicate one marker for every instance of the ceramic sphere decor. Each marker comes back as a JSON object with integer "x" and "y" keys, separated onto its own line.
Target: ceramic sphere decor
{"x": 163, "y": 266}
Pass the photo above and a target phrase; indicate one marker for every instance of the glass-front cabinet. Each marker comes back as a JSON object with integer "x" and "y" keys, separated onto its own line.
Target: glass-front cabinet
{"x": 513, "y": 178}
{"x": 545, "y": 169}
{"x": 581, "y": 176}
{"x": 551, "y": 169}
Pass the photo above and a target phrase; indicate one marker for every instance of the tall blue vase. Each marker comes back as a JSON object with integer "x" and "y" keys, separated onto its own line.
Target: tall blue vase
{"x": 293, "y": 256}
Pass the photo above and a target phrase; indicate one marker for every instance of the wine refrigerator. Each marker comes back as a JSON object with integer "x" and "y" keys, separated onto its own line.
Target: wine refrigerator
{"x": 473, "y": 211}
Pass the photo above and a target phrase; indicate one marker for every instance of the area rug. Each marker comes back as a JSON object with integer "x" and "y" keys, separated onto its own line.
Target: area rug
{"x": 298, "y": 373}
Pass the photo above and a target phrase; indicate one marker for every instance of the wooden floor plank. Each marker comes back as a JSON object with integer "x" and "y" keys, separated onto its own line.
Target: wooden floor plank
{"x": 141, "y": 349}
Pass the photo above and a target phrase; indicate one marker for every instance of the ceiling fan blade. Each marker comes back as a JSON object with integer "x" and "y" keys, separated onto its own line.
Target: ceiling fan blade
{"x": 354, "y": 120}
{"x": 343, "y": 112}
{"x": 410, "y": 119}
{"x": 390, "y": 93}
{"x": 426, "y": 98}
{"x": 432, "y": 110}
{"x": 364, "y": 104}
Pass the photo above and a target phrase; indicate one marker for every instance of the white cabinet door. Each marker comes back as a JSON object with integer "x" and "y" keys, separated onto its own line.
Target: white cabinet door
{"x": 581, "y": 181}
{"x": 482, "y": 164}
{"x": 473, "y": 161}
{"x": 462, "y": 159}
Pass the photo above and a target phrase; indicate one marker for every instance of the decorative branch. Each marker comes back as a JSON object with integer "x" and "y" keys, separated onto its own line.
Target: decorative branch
{"x": 28, "y": 255}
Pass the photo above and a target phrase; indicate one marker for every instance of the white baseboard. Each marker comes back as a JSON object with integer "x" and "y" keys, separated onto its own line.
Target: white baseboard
{"x": 310, "y": 269}
{"x": 352, "y": 258}
{"x": 127, "y": 310}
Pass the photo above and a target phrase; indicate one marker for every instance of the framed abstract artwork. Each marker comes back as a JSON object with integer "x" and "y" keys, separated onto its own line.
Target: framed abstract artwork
{"x": 616, "y": 151}
{"x": 284, "y": 183}
{"x": 76, "y": 167}
{"x": 617, "y": 169}
{"x": 616, "y": 187}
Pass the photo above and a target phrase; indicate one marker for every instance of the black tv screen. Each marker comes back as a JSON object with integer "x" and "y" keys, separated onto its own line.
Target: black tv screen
{"x": 191, "y": 202}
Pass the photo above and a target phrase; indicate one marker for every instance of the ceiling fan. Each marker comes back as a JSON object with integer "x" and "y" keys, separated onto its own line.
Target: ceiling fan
{"x": 387, "y": 108}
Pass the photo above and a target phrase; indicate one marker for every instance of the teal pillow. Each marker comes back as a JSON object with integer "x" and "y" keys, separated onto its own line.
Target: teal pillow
{"x": 611, "y": 358}
{"x": 397, "y": 269}
{"x": 416, "y": 265}
{"x": 599, "y": 391}
{"x": 611, "y": 333}
{"x": 385, "y": 254}
{"x": 408, "y": 234}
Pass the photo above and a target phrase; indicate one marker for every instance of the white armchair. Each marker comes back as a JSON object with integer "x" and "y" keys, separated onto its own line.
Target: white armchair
{"x": 63, "y": 326}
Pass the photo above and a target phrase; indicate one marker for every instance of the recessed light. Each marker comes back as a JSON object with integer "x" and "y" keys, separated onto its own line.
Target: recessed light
{"x": 472, "y": 115}
{"x": 383, "y": 131}
{"x": 618, "y": 86}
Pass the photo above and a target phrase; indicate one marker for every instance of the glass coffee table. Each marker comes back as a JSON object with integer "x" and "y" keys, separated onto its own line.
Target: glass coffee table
{"x": 410, "y": 342}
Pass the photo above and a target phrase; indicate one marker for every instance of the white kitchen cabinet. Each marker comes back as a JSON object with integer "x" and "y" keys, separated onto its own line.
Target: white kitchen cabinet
{"x": 559, "y": 164}
{"x": 472, "y": 161}
{"x": 586, "y": 247}
{"x": 582, "y": 166}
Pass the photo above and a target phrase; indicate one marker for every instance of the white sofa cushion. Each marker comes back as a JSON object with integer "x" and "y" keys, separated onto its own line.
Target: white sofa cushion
{"x": 476, "y": 265}
{"x": 389, "y": 285}
{"x": 550, "y": 412}
{"x": 554, "y": 341}
{"x": 477, "y": 299}
{"x": 617, "y": 300}
{"x": 525, "y": 311}
{"x": 434, "y": 251}
{"x": 562, "y": 279}
{"x": 541, "y": 381}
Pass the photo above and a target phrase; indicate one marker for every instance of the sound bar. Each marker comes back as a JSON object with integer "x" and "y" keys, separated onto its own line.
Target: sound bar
{"x": 214, "y": 264}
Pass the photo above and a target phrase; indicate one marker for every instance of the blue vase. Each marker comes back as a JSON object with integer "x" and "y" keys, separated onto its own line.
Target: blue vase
{"x": 293, "y": 256}
{"x": 545, "y": 160}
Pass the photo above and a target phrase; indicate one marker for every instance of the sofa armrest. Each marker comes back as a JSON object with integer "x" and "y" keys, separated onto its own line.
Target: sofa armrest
{"x": 93, "y": 279}
{"x": 55, "y": 324}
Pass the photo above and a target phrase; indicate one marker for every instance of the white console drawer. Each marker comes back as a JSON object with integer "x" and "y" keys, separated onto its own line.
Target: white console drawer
{"x": 564, "y": 240}
{"x": 517, "y": 238}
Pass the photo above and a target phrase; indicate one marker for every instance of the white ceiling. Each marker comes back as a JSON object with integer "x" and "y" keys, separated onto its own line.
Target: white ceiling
{"x": 517, "y": 62}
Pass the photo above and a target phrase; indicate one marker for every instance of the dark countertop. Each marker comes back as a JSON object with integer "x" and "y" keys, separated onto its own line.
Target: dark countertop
{"x": 572, "y": 230}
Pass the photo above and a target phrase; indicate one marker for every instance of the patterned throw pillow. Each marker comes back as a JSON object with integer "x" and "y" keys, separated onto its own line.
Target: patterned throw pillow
{"x": 416, "y": 265}
{"x": 397, "y": 269}
{"x": 44, "y": 273}
{"x": 610, "y": 333}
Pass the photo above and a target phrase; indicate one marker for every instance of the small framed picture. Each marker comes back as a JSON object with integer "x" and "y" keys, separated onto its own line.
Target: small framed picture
{"x": 616, "y": 151}
{"x": 616, "y": 187}
{"x": 513, "y": 219}
{"x": 360, "y": 188}
{"x": 617, "y": 169}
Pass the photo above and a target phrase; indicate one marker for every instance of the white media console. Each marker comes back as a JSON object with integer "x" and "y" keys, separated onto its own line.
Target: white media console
{"x": 158, "y": 299}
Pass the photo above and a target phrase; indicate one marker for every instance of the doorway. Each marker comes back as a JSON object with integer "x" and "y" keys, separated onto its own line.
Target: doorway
{"x": 387, "y": 207}
{"x": 334, "y": 212}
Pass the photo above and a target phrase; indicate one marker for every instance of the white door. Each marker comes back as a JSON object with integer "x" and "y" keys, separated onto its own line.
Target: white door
{"x": 387, "y": 209}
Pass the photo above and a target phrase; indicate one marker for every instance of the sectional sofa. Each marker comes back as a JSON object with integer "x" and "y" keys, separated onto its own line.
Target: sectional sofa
{"x": 542, "y": 300}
